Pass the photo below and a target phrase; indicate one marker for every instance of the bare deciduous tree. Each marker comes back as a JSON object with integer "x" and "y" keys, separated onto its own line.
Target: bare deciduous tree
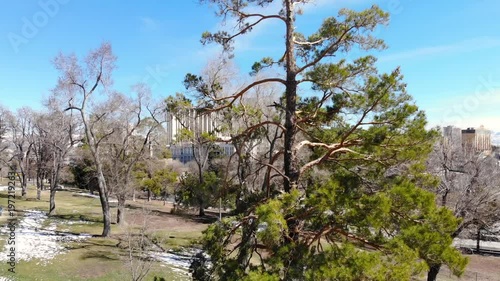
{"x": 78, "y": 83}
{"x": 469, "y": 185}
{"x": 41, "y": 152}
{"x": 4, "y": 138}
{"x": 138, "y": 244}
{"x": 21, "y": 127}
{"x": 61, "y": 134}
{"x": 136, "y": 121}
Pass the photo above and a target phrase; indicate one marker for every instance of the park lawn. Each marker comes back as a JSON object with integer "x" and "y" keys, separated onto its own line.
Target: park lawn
{"x": 93, "y": 262}
{"x": 97, "y": 258}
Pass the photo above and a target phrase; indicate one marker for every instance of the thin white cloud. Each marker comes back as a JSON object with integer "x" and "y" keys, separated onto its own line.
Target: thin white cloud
{"x": 469, "y": 45}
{"x": 472, "y": 110}
{"x": 489, "y": 122}
{"x": 149, "y": 24}
{"x": 321, "y": 4}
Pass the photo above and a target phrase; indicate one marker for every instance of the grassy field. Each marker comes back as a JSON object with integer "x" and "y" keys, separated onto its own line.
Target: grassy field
{"x": 99, "y": 258}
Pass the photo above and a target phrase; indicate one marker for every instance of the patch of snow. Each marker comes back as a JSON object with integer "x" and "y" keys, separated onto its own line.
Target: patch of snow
{"x": 33, "y": 241}
{"x": 179, "y": 262}
{"x": 172, "y": 259}
{"x": 470, "y": 243}
{"x": 68, "y": 222}
{"x": 111, "y": 200}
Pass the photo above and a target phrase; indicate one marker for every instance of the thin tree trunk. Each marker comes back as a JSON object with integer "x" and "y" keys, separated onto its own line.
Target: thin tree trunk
{"x": 103, "y": 192}
{"x": 433, "y": 272}
{"x": 133, "y": 195}
{"x": 103, "y": 196}
{"x": 22, "y": 179}
{"x": 52, "y": 201}
{"x": 120, "y": 215}
{"x": 149, "y": 195}
{"x": 38, "y": 187}
{"x": 201, "y": 211}
{"x": 444, "y": 198}
{"x": 478, "y": 238}
{"x": 42, "y": 181}
{"x": 53, "y": 189}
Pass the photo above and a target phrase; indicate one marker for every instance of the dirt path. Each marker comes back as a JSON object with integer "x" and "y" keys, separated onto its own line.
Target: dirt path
{"x": 481, "y": 268}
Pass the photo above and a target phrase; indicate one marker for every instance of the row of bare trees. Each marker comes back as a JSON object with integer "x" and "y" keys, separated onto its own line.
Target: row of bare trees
{"x": 117, "y": 130}
{"x": 82, "y": 117}
{"x": 469, "y": 184}
{"x": 35, "y": 144}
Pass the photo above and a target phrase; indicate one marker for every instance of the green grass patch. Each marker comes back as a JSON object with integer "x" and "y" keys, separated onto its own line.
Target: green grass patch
{"x": 176, "y": 239}
{"x": 94, "y": 259}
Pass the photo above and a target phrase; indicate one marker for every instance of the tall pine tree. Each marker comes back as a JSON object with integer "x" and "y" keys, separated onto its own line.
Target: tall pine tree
{"x": 350, "y": 204}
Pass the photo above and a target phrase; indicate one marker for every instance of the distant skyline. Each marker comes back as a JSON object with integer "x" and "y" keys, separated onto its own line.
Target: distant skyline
{"x": 449, "y": 52}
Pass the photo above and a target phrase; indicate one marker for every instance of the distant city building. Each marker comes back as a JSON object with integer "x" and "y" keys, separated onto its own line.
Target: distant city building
{"x": 183, "y": 152}
{"x": 478, "y": 139}
{"x": 191, "y": 120}
{"x": 452, "y": 135}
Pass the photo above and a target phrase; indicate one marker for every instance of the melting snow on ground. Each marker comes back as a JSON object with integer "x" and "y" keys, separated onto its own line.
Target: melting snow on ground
{"x": 469, "y": 243}
{"x": 111, "y": 200}
{"x": 179, "y": 262}
{"x": 36, "y": 240}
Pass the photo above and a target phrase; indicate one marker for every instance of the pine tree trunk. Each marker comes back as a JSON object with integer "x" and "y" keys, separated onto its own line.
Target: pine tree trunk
{"x": 290, "y": 165}
{"x": 52, "y": 200}
{"x": 433, "y": 272}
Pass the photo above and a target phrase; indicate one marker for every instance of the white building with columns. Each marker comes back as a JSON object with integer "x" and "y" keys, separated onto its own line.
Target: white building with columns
{"x": 192, "y": 121}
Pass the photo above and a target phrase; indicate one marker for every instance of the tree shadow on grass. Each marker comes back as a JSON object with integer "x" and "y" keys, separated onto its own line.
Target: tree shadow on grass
{"x": 210, "y": 216}
{"x": 76, "y": 217}
{"x": 99, "y": 254}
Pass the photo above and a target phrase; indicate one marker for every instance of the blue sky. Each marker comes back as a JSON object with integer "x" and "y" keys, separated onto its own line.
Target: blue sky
{"x": 449, "y": 51}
